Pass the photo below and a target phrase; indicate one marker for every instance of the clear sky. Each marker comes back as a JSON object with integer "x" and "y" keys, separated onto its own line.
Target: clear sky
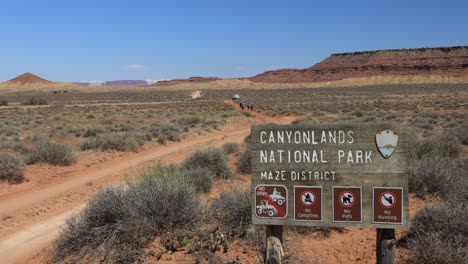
{"x": 107, "y": 40}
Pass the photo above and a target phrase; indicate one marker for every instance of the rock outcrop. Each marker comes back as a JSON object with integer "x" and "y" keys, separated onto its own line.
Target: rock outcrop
{"x": 423, "y": 61}
{"x": 28, "y": 79}
{"x": 189, "y": 80}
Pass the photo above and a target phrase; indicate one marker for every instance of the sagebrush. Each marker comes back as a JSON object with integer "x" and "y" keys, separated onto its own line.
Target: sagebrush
{"x": 11, "y": 168}
{"x": 118, "y": 222}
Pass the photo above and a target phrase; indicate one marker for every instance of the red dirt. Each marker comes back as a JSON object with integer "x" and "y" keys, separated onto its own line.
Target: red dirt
{"x": 31, "y": 213}
{"x": 424, "y": 61}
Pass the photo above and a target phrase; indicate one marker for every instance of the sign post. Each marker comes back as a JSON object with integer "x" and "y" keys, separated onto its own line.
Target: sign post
{"x": 335, "y": 175}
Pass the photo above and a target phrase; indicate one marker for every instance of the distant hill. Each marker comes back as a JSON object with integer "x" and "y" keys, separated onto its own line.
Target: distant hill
{"x": 125, "y": 83}
{"x": 29, "y": 82}
{"x": 28, "y": 79}
{"x": 191, "y": 80}
{"x": 402, "y": 62}
{"x": 117, "y": 83}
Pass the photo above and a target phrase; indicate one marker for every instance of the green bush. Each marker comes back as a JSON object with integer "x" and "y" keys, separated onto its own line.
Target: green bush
{"x": 244, "y": 165}
{"x": 231, "y": 148}
{"x": 439, "y": 234}
{"x": 442, "y": 177}
{"x": 11, "y": 168}
{"x": 93, "y": 131}
{"x": 3, "y": 102}
{"x": 119, "y": 222}
{"x": 201, "y": 179}
{"x": 212, "y": 159}
{"x": 165, "y": 132}
{"x": 191, "y": 121}
{"x": 234, "y": 210}
{"x": 110, "y": 141}
{"x": 307, "y": 120}
{"x": 444, "y": 145}
{"x": 51, "y": 152}
{"x": 16, "y": 146}
{"x": 461, "y": 133}
{"x": 358, "y": 113}
{"x": 35, "y": 101}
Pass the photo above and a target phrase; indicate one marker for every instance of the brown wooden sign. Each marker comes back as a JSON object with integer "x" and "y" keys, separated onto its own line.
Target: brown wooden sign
{"x": 330, "y": 175}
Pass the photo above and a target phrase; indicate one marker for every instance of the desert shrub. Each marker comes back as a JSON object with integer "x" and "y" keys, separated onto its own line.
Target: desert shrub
{"x": 442, "y": 177}
{"x": 119, "y": 222}
{"x": 11, "y": 168}
{"x": 307, "y": 120}
{"x": 247, "y": 114}
{"x": 461, "y": 133}
{"x": 51, "y": 152}
{"x": 3, "y": 102}
{"x": 201, "y": 179}
{"x": 358, "y": 113}
{"x": 439, "y": 234}
{"x": 231, "y": 148}
{"x": 244, "y": 164}
{"x": 111, "y": 141}
{"x": 16, "y": 146}
{"x": 93, "y": 131}
{"x": 234, "y": 210}
{"x": 165, "y": 132}
{"x": 430, "y": 115}
{"x": 212, "y": 159}
{"x": 444, "y": 145}
{"x": 191, "y": 121}
{"x": 90, "y": 143}
{"x": 215, "y": 124}
{"x": 35, "y": 101}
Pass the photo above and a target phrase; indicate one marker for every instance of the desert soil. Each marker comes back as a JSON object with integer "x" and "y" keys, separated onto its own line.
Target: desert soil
{"x": 32, "y": 213}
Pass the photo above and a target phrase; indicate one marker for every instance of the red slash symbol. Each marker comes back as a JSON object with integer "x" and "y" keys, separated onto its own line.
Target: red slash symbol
{"x": 265, "y": 195}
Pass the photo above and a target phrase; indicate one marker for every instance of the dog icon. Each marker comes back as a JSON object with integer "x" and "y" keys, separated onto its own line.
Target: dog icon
{"x": 346, "y": 199}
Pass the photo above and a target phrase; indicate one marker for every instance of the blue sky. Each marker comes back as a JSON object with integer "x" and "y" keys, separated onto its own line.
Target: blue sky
{"x": 108, "y": 40}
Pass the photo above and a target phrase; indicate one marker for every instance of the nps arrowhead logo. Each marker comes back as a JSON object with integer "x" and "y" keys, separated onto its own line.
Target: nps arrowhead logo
{"x": 387, "y": 142}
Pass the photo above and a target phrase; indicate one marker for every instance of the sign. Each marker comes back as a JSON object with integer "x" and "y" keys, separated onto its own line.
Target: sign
{"x": 347, "y": 204}
{"x": 387, "y": 142}
{"x": 387, "y": 205}
{"x": 308, "y": 203}
{"x": 325, "y": 175}
{"x": 271, "y": 201}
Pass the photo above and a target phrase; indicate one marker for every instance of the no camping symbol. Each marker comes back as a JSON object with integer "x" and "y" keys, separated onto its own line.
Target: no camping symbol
{"x": 271, "y": 201}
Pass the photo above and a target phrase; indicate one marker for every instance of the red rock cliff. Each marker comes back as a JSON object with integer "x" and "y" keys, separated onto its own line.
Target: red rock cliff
{"x": 423, "y": 61}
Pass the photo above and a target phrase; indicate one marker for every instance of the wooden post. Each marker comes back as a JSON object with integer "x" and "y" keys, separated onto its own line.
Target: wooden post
{"x": 385, "y": 246}
{"x": 274, "y": 250}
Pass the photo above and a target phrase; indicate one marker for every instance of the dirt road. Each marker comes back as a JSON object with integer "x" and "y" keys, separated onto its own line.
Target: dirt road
{"x": 27, "y": 237}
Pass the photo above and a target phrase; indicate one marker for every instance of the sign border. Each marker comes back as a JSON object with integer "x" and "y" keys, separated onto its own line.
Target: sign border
{"x": 402, "y": 205}
{"x": 286, "y": 201}
{"x": 321, "y": 203}
{"x": 333, "y": 204}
